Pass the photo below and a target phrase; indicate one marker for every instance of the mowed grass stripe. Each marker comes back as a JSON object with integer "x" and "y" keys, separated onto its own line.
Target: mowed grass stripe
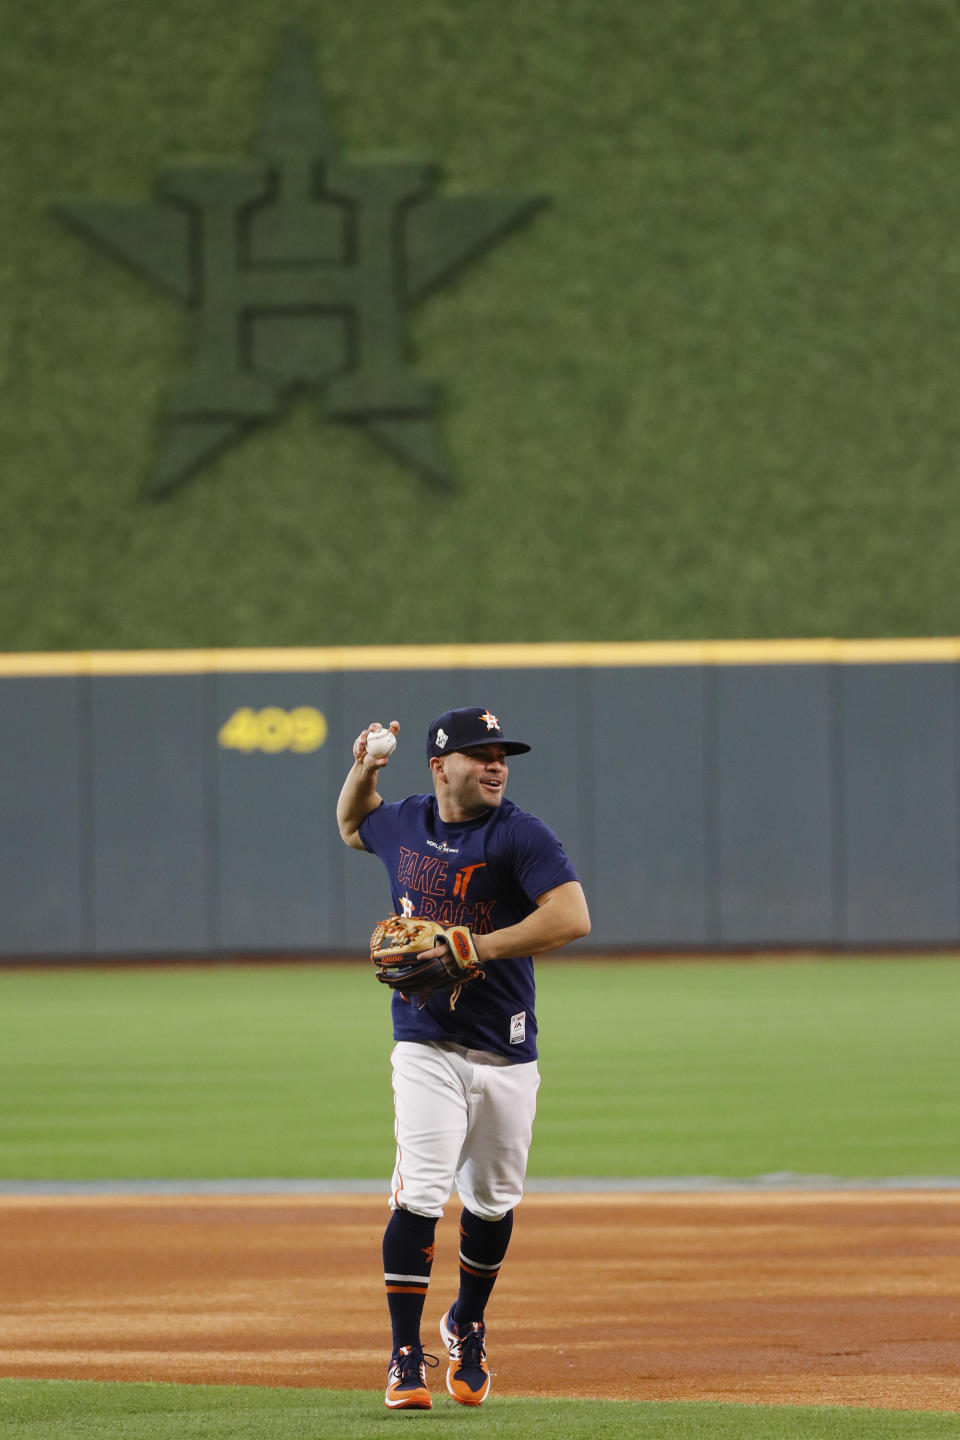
{"x": 729, "y": 1069}
{"x": 48, "y": 1410}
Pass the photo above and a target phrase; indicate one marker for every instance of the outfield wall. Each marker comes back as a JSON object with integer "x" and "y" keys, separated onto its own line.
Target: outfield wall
{"x": 711, "y": 795}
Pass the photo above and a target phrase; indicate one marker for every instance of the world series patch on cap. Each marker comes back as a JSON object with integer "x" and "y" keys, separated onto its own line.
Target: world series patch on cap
{"x": 464, "y": 729}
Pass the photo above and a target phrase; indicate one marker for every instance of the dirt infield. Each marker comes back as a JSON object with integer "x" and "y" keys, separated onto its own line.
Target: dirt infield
{"x": 840, "y": 1299}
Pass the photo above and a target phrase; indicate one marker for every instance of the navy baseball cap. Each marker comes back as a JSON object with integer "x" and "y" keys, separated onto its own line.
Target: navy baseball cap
{"x": 463, "y": 729}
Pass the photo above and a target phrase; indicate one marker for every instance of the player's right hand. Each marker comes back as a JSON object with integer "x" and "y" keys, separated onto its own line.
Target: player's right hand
{"x": 372, "y": 762}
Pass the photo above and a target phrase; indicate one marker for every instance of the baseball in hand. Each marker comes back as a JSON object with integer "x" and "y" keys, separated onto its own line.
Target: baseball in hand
{"x": 380, "y": 743}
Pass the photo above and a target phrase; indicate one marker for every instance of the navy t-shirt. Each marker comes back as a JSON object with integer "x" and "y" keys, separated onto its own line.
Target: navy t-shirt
{"x": 485, "y": 873}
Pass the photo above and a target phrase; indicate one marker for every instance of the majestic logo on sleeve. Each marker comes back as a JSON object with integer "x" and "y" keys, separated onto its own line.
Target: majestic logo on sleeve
{"x": 300, "y": 267}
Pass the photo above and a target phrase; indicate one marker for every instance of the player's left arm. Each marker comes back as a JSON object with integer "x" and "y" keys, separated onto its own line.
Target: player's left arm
{"x": 560, "y": 917}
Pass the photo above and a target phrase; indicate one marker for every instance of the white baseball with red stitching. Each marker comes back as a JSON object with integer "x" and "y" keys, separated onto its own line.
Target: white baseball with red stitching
{"x": 380, "y": 743}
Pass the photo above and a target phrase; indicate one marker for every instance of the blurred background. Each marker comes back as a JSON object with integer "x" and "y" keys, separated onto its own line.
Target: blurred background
{"x": 706, "y": 392}
{"x": 709, "y": 392}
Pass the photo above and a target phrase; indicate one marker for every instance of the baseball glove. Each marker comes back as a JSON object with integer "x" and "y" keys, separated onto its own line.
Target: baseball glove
{"x": 397, "y": 945}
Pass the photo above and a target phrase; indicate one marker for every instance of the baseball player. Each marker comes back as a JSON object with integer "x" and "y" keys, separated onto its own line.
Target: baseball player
{"x": 465, "y": 1071}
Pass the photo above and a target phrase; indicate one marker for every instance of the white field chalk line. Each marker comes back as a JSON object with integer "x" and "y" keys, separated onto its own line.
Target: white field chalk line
{"x": 779, "y": 1182}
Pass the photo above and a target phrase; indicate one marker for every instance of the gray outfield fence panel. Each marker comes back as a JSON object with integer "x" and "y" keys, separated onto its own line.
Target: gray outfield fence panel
{"x": 707, "y": 805}
{"x": 899, "y": 805}
{"x": 643, "y": 758}
{"x": 44, "y": 816}
{"x": 147, "y": 839}
{"x": 275, "y": 886}
{"x": 773, "y": 777}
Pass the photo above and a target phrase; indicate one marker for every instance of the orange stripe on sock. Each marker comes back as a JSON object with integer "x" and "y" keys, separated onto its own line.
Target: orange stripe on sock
{"x": 406, "y": 1289}
{"x": 480, "y": 1274}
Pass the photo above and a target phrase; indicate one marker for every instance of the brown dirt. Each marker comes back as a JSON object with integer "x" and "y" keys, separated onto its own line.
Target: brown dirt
{"x": 839, "y": 1299}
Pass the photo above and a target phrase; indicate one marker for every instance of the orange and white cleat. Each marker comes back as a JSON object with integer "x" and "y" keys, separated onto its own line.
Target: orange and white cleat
{"x": 407, "y": 1379}
{"x": 468, "y": 1378}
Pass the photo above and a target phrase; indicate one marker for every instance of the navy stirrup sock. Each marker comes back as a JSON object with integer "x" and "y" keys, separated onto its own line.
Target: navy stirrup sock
{"x": 407, "y": 1259}
{"x": 483, "y": 1245}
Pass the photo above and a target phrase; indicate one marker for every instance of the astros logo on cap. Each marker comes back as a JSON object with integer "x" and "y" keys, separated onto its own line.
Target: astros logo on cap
{"x": 492, "y": 722}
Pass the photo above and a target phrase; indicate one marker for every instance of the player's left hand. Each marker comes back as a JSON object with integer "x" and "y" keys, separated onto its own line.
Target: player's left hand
{"x": 417, "y": 957}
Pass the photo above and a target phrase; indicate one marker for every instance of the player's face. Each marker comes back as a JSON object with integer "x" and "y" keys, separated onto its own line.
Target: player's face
{"x": 476, "y": 778}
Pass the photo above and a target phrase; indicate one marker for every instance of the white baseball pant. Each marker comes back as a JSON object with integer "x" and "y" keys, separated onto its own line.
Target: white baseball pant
{"x": 464, "y": 1118}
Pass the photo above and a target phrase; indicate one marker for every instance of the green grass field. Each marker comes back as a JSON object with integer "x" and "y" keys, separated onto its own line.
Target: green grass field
{"x": 737, "y": 1068}
{"x": 36, "y": 1410}
{"x": 702, "y": 1068}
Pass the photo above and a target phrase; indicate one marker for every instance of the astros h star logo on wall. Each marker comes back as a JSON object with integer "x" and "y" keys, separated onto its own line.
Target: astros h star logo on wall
{"x": 300, "y": 267}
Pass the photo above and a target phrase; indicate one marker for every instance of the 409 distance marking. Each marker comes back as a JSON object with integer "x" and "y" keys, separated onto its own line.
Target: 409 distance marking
{"x": 274, "y": 730}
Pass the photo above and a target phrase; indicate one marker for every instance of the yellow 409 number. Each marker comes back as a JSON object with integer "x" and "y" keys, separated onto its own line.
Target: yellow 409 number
{"x": 273, "y": 730}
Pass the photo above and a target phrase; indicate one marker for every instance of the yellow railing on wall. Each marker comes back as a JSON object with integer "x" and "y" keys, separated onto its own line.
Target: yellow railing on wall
{"x": 548, "y": 655}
